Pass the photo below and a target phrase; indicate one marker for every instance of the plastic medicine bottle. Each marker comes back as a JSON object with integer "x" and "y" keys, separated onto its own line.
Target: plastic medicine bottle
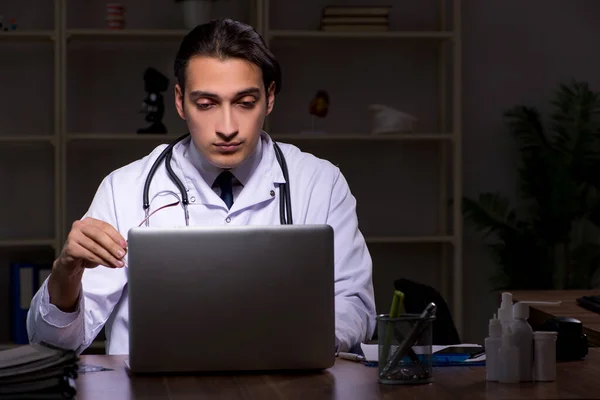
{"x": 545, "y": 356}
{"x": 508, "y": 359}
{"x": 492, "y": 344}
{"x": 522, "y": 338}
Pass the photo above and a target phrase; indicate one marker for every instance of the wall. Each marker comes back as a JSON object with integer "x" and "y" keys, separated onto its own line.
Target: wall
{"x": 514, "y": 52}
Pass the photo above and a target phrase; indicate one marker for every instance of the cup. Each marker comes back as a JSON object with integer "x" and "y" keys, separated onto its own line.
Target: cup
{"x": 405, "y": 349}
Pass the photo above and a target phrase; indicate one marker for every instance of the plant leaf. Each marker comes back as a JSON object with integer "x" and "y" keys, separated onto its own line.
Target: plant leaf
{"x": 526, "y": 125}
{"x": 575, "y": 125}
{"x": 490, "y": 214}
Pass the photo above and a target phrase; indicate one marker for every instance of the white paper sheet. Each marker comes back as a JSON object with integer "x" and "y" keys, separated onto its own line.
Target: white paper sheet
{"x": 371, "y": 351}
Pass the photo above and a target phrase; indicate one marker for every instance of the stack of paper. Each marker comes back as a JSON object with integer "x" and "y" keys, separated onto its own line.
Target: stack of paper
{"x": 371, "y": 354}
{"x": 36, "y": 371}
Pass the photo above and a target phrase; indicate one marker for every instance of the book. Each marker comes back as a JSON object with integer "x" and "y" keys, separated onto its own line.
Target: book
{"x": 37, "y": 371}
{"x": 354, "y": 28}
{"x": 354, "y": 20}
{"x": 339, "y": 10}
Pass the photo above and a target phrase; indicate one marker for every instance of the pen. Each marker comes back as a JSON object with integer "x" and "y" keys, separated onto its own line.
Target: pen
{"x": 397, "y": 303}
{"x": 350, "y": 356}
{"x": 477, "y": 354}
{"x": 411, "y": 353}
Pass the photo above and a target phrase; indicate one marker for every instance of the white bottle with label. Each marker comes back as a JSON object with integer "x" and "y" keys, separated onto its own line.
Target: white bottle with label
{"x": 522, "y": 338}
{"x": 508, "y": 358}
{"x": 545, "y": 356}
{"x": 492, "y": 345}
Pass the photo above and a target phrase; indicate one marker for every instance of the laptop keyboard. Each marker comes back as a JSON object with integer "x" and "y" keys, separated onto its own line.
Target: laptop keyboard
{"x": 591, "y": 303}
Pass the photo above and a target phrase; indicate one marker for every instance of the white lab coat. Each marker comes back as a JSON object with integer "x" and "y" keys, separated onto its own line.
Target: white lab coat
{"x": 319, "y": 195}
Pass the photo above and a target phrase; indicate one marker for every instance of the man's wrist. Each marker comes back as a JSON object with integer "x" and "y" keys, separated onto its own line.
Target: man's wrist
{"x": 64, "y": 287}
{"x": 66, "y": 273}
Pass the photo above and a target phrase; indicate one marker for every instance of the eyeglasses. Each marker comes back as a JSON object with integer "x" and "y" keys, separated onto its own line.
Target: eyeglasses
{"x": 158, "y": 209}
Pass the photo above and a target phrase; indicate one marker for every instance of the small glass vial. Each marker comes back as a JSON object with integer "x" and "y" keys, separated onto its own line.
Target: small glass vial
{"x": 545, "y": 356}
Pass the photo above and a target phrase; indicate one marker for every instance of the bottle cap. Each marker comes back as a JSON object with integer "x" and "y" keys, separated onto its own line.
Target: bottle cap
{"x": 505, "y": 312}
{"x": 495, "y": 327}
{"x": 521, "y": 310}
{"x": 506, "y": 299}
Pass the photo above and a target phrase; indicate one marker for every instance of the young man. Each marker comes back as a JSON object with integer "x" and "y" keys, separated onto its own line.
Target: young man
{"x": 227, "y": 82}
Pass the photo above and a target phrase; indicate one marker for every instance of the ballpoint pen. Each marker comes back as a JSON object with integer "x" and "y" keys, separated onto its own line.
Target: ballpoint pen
{"x": 397, "y": 303}
{"x": 350, "y": 356}
{"x": 411, "y": 353}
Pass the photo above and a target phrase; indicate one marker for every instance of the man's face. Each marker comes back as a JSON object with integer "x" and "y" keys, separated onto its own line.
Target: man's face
{"x": 225, "y": 106}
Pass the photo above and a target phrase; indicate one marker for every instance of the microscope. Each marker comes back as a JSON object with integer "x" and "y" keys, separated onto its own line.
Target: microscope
{"x": 153, "y": 105}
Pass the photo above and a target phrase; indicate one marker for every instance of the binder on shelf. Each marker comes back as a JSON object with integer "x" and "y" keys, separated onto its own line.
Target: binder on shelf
{"x": 25, "y": 280}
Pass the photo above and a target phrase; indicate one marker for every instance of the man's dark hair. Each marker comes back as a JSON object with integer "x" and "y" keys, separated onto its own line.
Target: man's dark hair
{"x": 226, "y": 38}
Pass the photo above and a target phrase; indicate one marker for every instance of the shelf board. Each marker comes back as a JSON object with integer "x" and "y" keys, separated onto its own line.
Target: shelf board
{"x": 22, "y": 35}
{"x": 362, "y": 137}
{"x": 408, "y": 239}
{"x": 126, "y": 34}
{"x": 276, "y": 136}
{"x": 27, "y": 138}
{"x": 369, "y": 239}
{"x": 301, "y": 34}
{"x": 27, "y": 242}
{"x": 122, "y": 136}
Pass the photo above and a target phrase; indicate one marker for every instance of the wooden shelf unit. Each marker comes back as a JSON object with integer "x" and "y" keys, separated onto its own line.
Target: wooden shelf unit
{"x": 449, "y": 15}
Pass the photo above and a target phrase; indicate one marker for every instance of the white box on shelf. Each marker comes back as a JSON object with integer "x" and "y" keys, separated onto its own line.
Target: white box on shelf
{"x": 386, "y": 119}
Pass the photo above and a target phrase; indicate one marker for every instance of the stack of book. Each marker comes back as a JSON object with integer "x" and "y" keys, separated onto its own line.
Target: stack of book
{"x": 36, "y": 371}
{"x": 355, "y": 18}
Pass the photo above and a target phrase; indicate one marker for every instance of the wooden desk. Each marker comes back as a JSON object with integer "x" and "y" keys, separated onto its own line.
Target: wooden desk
{"x": 568, "y": 308}
{"x": 347, "y": 380}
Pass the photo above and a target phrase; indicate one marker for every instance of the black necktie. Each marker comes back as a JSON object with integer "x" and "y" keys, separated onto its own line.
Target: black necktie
{"x": 224, "y": 181}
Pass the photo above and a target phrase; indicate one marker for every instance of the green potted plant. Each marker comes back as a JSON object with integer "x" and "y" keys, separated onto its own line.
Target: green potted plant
{"x": 552, "y": 239}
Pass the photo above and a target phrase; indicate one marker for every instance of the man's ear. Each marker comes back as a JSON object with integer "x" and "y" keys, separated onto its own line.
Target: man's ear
{"x": 270, "y": 97}
{"x": 179, "y": 101}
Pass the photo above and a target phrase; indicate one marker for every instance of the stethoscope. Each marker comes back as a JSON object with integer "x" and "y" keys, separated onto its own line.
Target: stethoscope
{"x": 285, "y": 206}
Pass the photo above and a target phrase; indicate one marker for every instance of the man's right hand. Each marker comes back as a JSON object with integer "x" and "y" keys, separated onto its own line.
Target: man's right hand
{"x": 90, "y": 243}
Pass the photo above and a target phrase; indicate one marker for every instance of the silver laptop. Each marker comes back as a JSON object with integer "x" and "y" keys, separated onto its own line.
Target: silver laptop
{"x": 235, "y": 298}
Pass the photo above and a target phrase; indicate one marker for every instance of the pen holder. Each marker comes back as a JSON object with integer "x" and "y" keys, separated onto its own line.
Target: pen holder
{"x": 405, "y": 350}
